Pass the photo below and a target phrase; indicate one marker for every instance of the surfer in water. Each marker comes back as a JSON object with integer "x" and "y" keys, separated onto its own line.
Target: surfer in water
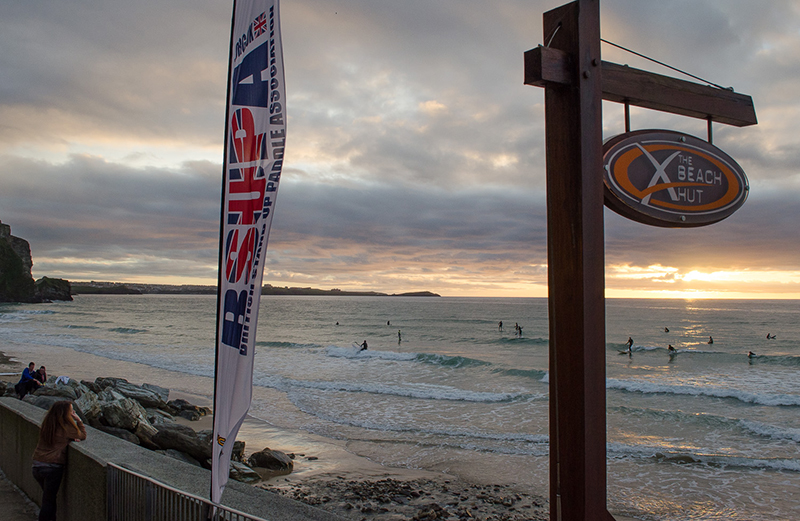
{"x": 751, "y": 354}
{"x": 364, "y": 346}
{"x": 710, "y": 340}
{"x": 666, "y": 330}
{"x": 671, "y": 349}
{"x": 500, "y": 325}
{"x": 770, "y": 337}
{"x": 399, "y": 338}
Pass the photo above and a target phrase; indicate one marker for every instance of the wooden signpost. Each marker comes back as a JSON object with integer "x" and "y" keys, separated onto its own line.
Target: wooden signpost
{"x": 575, "y": 82}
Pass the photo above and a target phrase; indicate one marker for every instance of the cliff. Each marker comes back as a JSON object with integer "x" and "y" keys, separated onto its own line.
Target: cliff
{"x": 16, "y": 281}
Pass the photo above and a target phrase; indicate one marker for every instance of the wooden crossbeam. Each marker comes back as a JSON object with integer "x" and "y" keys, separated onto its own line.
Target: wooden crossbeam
{"x": 625, "y": 84}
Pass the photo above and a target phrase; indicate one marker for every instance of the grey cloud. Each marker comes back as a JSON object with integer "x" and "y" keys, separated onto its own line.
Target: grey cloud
{"x": 763, "y": 234}
{"x": 397, "y": 218}
{"x": 385, "y": 187}
{"x": 90, "y": 207}
{"x": 128, "y": 68}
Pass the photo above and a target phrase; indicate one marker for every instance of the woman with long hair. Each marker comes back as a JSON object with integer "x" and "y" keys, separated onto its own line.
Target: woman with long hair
{"x": 60, "y": 426}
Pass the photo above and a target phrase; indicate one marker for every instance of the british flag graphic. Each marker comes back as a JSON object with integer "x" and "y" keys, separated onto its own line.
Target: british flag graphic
{"x": 260, "y": 24}
{"x": 246, "y": 145}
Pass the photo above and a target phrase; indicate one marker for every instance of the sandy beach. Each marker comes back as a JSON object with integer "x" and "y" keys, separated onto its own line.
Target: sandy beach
{"x": 326, "y": 474}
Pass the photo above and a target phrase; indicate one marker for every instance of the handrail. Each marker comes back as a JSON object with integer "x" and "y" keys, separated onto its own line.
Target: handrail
{"x": 132, "y": 496}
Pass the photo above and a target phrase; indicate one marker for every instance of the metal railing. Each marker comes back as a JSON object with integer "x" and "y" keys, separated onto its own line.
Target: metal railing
{"x": 134, "y": 497}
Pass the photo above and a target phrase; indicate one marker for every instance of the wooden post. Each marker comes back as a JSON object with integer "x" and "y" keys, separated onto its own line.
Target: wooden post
{"x": 575, "y": 257}
{"x": 575, "y": 82}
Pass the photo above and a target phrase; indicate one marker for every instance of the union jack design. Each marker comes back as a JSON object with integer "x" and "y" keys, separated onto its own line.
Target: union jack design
{"x": 245, "y": 195}
{"x": 239, "y": 254}
{"x": 260, "y": 25}
{"x": 246, "y": 145}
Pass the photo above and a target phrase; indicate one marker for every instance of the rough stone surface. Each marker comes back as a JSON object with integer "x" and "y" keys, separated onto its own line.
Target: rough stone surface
{"x": 243, "y": 473}
{"x": 108, "y": 381}
{"x": 145, "y": 432}
{"x": 182, "y": 438}
{"x": 182, "y": 405}
{"x": 120, "y": 433}
{"x": 144, "y": 396}
{"x": 64, "y": 391}
{"x": 237, "y": 453}
{"x": 90, "y": 406}
{"x": 16, "y": 283}
{"x": 189, "y": 415}
{"x": 47, "y": 289}
{"x": 109, "y": 395}
{"x": 92, "y": 386}
{"x": 270, "y": 459}
{"x": 72, "y": 383}
{"x": 155, "y": 416}
{"x": 125, "y": 414}
{"x": 43, "y": 402}
{"x": 7, "y": 389}
{"x": 162, "y": 392}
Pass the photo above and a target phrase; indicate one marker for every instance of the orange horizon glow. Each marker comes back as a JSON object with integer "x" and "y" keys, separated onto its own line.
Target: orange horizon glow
{"x": 658, "y": 283}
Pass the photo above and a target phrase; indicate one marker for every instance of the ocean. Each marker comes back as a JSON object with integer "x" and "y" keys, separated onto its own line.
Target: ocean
{"x": 705, "y": 433}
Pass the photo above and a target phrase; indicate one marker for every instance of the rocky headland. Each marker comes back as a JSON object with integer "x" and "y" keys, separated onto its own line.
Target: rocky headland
{"x": 16, "y": 281}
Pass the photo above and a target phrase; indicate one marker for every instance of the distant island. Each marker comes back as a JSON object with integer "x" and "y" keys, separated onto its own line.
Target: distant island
{"x": 268, "y": 289}
{"x": 120, "y": 288}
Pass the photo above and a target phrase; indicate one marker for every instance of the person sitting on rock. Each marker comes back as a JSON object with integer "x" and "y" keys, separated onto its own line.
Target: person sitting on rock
{"x": 27, "y": 383}
{"x": 40, "y": 375}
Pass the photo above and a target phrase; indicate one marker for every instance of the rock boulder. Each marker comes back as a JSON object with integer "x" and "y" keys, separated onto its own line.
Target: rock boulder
{"x": 182, "y": 438}
{"x": 124, "y": 413}
{"x": 270, "y": 459}
{"x": 47, "y": 289}
{"x": 43, "y": 402}
{"x": 144, "y": 396}
{"x": 120, "y": 433}
{"x": 162, "y": 392}
{"x": 65, "y": 392}
{"x": 243, "y": 473}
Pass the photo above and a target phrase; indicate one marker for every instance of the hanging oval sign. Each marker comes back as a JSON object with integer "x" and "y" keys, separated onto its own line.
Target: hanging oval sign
{"x": 670, "y": 179}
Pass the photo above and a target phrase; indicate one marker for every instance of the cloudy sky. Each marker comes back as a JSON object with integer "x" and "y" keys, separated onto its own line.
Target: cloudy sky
{"x": 415, "y": 154}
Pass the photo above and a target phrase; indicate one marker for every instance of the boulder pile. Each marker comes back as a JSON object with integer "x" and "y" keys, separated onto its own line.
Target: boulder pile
{"x": 144, "y": 415}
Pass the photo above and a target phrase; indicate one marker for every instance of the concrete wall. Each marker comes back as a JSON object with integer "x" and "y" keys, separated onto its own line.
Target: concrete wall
{"x": 82, "y": 496}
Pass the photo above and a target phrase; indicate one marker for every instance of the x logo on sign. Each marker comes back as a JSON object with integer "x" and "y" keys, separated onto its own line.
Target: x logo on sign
{"x": 660, "y": 175}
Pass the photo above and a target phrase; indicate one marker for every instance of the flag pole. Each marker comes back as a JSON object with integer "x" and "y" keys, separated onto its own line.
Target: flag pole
{"x": 222, "y": 232}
